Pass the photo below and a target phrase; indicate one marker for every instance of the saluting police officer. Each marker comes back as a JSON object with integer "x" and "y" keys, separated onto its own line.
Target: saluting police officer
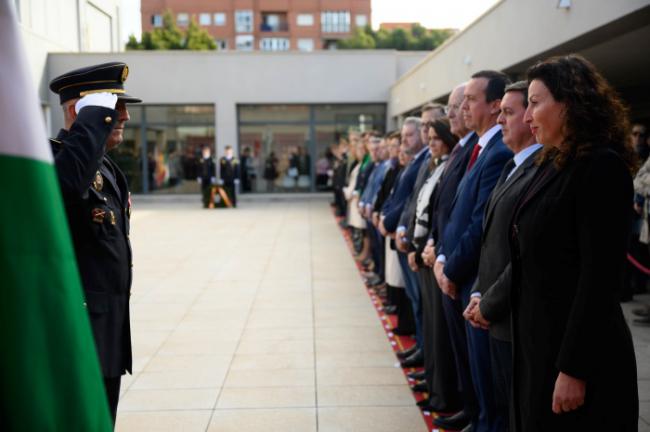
{"x": 229, "y": 173}
{"x": 98, "y": 206}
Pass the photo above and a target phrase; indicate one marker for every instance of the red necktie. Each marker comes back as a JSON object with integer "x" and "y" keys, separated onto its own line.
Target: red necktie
{"x": 474, "y": 156}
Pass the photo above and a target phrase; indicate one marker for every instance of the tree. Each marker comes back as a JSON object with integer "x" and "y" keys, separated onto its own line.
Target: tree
{"x": 360, "y": 40}
{"x": 198, "y": 39}
{"x": 417, "y": 38}
{"x": 170, "y": 37}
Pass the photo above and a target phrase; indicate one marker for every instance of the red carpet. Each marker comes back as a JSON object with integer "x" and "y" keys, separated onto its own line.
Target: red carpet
{"x": 398, "y": 343}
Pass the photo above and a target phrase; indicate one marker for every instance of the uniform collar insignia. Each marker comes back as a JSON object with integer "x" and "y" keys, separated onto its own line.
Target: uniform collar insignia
{"x": 98, "y": 181}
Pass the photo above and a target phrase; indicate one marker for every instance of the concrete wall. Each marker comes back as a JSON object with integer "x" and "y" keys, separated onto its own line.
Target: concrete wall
{"x": 64, "y": 26}
{"x": 230, "y": 78}
{"x": 507, "y": 34}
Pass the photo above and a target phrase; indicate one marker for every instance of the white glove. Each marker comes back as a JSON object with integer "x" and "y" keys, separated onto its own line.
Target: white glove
{"x": 198, "y": 179}
{"x": 213, "y": 180}
{"x": 106, "y": 100}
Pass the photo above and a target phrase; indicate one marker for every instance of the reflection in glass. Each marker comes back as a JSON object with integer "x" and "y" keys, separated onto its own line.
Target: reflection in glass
{"x": 175, "y": 135}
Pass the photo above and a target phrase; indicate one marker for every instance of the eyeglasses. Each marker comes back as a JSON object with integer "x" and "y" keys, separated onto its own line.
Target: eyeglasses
{"x": 451, "y": 107}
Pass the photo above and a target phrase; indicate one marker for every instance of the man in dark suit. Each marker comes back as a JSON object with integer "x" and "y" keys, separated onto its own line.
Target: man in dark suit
{"x": 430, "y": 113}
{"x": 393, "y": 207}
{"x": 459, "y": 247}
{"x": 98, "y": 206}
{"x": 489, "y": 305}
{"x": 440, "y": 366}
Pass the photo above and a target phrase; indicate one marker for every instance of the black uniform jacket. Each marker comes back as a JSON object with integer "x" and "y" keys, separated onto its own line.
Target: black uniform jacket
{"x": 568, "y": 245}
{"x": 96, "y": 199}
{"x": 229, "y": 170}
{"x": 494, "y": 269}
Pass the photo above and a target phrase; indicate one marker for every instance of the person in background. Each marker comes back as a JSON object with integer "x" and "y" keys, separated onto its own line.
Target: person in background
{"x": 207, "y": 173}
{"x": 271, "y": 171}
{"x": 230, "y": 174}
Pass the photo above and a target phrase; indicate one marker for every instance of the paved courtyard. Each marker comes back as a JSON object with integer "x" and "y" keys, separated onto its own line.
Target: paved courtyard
{"x": 256, "y": 319}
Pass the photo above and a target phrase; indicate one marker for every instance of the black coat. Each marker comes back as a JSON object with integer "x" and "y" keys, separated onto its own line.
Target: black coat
{"x": 230, "y": 170}
{"x": 97, "y": 203}
{"x": 569, "y": 241}
{"x": 387, "y": 186}
{"x": 442, "y": 199}
{"x": 494, "y": 269}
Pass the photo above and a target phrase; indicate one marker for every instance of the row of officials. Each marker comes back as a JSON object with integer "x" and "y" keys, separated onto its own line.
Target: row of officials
{"x": 497, "y": 229}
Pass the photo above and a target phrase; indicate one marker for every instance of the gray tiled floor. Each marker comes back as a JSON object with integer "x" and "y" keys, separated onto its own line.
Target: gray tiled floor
{"x": 255, "y": 319}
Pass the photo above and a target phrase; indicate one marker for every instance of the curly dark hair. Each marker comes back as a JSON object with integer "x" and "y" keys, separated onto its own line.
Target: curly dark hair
{"x": 595, "y": 115}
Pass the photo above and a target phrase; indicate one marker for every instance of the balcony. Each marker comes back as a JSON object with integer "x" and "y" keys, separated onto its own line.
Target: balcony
{"x": 273, "y": 22}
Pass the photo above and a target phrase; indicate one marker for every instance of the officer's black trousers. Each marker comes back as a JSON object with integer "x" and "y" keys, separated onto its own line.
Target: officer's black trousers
{"x": 112, "y": 386}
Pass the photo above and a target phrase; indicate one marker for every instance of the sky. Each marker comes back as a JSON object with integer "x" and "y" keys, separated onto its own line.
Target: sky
{"x": 430, "y": 13}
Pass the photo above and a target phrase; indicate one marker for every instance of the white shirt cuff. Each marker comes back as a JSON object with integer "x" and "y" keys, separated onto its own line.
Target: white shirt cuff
{"x": 476, "y": 294}
{"x": 441, "y": 259}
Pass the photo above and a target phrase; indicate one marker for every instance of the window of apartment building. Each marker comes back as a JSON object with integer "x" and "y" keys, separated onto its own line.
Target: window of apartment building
{"x": 220, "y": 19}
{"x": 244, "y": 21}
{"x": 274, "y": 44}
{"x": 361, "y": 20}
{"x": 274, "y": 22}
{"x": 205, "y": 19}
{"x": 335, "y": 21}
{"x": 244, "y": 42}
{"x": 305, "y": 44}
{"x": 222, "y": 44}
{"x": 183, "y": 19}
{"x": 305, "y": 20}
{"x": 156, "y": 20}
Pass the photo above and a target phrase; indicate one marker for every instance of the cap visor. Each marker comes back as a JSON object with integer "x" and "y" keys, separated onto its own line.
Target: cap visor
{"x": 128, "y": 98}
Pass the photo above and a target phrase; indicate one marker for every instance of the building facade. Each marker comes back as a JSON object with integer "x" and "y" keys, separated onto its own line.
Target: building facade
{"x": 265, "y": 25}
{"x": 293, "y": 111}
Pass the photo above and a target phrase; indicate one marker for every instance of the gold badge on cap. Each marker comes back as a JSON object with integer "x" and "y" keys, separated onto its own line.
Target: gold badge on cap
{"x": 98, "y": 182}
{"x": 125, "y": 73}
{"x": 98, "y": 215}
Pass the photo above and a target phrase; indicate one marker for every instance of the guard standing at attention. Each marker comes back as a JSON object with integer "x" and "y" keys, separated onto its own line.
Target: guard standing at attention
{"x": 229, "y": 174}
{"x": 206, "y": 176}
{"x": 98, "y": 207}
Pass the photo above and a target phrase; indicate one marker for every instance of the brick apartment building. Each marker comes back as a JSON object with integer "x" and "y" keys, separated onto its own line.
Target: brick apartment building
{"x": 266, "y": 25}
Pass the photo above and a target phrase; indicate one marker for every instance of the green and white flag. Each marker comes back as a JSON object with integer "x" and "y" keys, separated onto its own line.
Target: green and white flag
{"x": 49, "y": 372}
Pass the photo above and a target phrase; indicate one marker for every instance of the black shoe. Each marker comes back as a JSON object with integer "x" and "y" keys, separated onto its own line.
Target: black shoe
{"x": 418, "y": 376}
{"x": 458, "y": 421}
{"x": 400, "y": 332}
{"x": 390, "y": 310}
{"x": 407, "y": 352}
{"x": 421, "y": 387}
{"x": 642, "y": 322}
{"x": 415, "y": 360}
{"x": 642, "y": 312}
{"x": 374, "y": 281}
{"x": 435, "y": 409}
{"x": 423, "y": 403}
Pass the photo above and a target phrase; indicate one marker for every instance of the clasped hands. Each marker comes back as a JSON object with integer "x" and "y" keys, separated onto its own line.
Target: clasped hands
{"x": 473, "y": 314}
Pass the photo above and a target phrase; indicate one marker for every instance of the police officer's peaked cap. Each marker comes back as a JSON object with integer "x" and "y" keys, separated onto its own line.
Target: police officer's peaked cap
{"x": 101, "y": 78}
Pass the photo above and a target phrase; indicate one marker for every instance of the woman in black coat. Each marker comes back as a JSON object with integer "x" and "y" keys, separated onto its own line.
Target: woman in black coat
{"x": 574, "y": 364}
